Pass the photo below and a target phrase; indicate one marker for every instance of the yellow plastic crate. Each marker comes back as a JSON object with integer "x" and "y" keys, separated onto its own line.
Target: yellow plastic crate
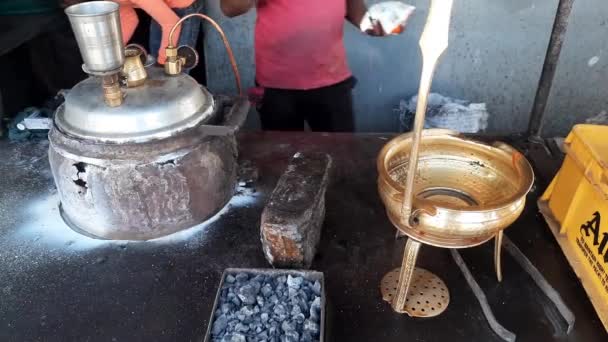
{"x": 576, "y": 207}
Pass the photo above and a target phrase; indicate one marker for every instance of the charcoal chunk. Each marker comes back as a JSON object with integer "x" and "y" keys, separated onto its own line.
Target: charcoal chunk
{"x": 226, "y": 308}
{"x": 242, "y": 328}
{"x": 311, "y": 327}
{"x": 219, "y": 325}
{"x": 316, "y": 288}
{"x": 248, "y": 293}
{"x": 288, "y": 326}
{"x": 237, "y": 337}
{"x": 290, "y": 336}
{"x": 267, "y": 308}
{"x": 241, "y": 277}
{"x": 294, "y": 282}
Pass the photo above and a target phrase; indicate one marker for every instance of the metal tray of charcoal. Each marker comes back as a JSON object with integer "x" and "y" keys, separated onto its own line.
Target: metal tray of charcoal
{"x": 233, "y": 278}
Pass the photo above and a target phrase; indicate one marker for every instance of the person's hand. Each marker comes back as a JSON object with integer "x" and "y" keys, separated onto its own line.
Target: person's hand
{"x": 386, "y": 18}
{"x": 376, "y": 28}
{"x": 159, "y": 11}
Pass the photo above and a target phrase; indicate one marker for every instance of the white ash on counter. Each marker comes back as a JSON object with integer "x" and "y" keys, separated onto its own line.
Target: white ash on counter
{"x": 282, "y": 308}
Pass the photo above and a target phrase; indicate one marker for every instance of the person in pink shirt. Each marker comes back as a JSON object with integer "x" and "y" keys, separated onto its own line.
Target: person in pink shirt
{"x": 301, "y": 61}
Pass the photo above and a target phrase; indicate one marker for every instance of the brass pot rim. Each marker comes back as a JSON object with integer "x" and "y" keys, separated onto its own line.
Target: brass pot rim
{"x": 496, "y": 147}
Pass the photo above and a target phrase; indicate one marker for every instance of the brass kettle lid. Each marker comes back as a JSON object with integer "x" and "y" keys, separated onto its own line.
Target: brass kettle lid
{"x": 162, "y": 107}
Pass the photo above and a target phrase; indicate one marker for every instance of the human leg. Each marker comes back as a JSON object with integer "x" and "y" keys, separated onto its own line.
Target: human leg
{"x": 278, "y": 111}
{"x": 330, "y": 109}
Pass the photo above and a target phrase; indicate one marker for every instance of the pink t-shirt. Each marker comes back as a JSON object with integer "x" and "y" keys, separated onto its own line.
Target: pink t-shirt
{"x": 299, "y": 43}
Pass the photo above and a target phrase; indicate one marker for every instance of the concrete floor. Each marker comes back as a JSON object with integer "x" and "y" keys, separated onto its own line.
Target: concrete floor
{"x": 56, "y": 285}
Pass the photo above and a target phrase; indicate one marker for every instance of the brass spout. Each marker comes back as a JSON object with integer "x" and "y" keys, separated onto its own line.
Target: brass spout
{"x": 133, "y": 69}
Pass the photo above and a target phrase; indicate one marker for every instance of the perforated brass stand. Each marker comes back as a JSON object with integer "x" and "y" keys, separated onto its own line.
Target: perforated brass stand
{"x": 418, "y": 292}
{"x": 428, "y": 295}
{"x": 414, "y": 291}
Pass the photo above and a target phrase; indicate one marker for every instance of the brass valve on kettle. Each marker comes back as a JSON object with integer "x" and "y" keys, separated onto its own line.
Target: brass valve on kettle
{"x": 183, "y": 57}
{"x": 187, "y": 57}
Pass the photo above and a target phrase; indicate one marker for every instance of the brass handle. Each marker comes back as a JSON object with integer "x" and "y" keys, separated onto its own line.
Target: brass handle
{"x": 144, "y": 52}
{"x": 414, "y": 221}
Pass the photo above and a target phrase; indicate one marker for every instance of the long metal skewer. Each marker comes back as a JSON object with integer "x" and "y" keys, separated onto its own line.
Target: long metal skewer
{"x": 433, "y": 42}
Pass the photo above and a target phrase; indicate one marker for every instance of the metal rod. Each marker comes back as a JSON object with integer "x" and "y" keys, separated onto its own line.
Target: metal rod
{"x": 433, "y": 42}
{"x": 425, "y": 85}
{"x": 542, "y": 283}
{"x": 558, "y": 33}
{"x": 482, "y": 299}
{"x": 410, "y": 254}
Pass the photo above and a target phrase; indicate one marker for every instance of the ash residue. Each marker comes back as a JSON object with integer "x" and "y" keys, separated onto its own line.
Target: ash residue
{"x": 247, "y": 174}
{"x": 267, "y": 308}
{"x": 27, "y": 155}
{"x": 246, "y": 191}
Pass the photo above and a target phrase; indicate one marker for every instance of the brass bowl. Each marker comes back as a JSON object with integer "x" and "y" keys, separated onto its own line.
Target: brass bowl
{"x": 466, "y": 191}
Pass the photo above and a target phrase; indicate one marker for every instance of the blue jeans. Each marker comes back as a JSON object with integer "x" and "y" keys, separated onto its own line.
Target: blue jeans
{"x": 189, "y": 33}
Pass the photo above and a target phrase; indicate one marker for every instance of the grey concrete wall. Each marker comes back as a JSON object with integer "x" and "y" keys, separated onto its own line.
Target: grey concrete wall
{"x": 220, "y": 79}
{"x": 495, "y": 56}
{"x": 580, "y": 86}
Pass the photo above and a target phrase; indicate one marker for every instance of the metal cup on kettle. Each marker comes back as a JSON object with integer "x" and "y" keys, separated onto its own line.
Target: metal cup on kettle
{"x": 96, "y": 25}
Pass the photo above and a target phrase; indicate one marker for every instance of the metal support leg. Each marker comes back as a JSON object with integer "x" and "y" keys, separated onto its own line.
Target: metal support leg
{"x": 410, "y": 254}
{"x": 497, "y": 252}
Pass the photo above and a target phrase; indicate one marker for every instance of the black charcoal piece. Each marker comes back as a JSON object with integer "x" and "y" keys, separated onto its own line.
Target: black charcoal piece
{"x": 316, "y": 289}
{"x": 299, "y": 318}
{"x": 290, "y": 336}
{"x": 219, "y": 325}
{"x": 311, "y": 327}
{"x": 242, "y": 328}
{"x": 263, "y": 308}
{"x": 247, "y": 294}
{"x": 288, "y": 326}
{"x": 226, "y": 308}
{"x": 266, "y": 290}
{"x": 236, "y": 337}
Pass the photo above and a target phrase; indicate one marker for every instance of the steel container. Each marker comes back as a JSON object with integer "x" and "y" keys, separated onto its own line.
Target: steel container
{"x": 96, "y": 25}
{"x": 163, "y": 161}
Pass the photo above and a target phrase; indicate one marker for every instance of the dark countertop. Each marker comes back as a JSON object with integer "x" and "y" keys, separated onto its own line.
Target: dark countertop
{"x": 56, "y": 285}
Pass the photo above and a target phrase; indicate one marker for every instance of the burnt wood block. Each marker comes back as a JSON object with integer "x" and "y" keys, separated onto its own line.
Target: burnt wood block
{"x": 292, "y": 219}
